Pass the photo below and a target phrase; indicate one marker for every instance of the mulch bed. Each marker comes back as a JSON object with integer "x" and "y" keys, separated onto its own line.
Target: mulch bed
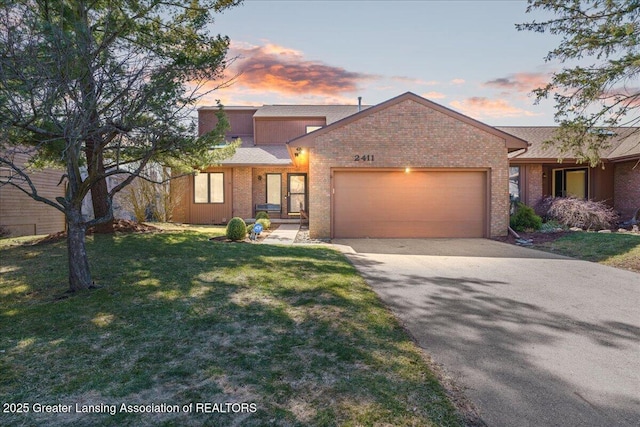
{"x": 119, "y": 226}
{"x": 537, "y": 237}
{"x": 259, "y": 238}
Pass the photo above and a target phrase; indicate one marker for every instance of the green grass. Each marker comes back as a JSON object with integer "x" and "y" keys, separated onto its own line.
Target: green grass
{"x": 620, "y": 250}
{"x": 178, "y": 319}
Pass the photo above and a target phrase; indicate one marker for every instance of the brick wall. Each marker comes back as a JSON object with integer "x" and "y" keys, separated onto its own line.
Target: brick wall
{"x": 242, "y": 202}
{"x": 534, "y": 192}
{"x": 407, "y": 134}
{"x": 627, "y": 188}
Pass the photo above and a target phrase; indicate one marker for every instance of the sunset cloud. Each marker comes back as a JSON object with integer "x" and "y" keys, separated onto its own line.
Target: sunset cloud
{"x": 284, "y": 70}
{"x": 413, "y": 81}
{"x": 519, "y": 82}
{"x": 458, "y": 81}
{"x": 482, "y": 108}
{"x": 434, "y": 95}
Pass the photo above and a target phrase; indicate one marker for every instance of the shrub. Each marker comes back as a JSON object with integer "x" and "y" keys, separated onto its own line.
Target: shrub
{"x": 265, "y": 222}
{"x": 262, "y": 214}
{"x": 585, "y": 214}
{"x": 525, "y": 218}
{"x": 236, "y": 229}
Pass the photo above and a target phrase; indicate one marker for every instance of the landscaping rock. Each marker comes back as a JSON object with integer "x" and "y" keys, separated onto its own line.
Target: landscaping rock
{"x": 604, "y": 231}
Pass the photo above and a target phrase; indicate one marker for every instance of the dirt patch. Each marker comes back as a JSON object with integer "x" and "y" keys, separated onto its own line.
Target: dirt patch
{"x": 536, "y": 237}
{"x": 119, "y": 226}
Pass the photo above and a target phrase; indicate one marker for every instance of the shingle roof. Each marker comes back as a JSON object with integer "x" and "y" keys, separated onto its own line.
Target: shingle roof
{"x": 260, "y": 155}
{"x": 625, "y": 142}
{"x": 333, "y": 113}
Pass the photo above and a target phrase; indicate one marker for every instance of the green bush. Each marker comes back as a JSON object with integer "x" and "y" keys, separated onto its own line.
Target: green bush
{"x": 262, "y": 214}
{"x": 265, "y": 222}
{"x": 525, "y": 219}
{"x": 236, "y": 229}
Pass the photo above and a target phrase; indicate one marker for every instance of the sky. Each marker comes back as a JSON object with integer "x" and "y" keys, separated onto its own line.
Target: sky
{"x": 465, "y": 55}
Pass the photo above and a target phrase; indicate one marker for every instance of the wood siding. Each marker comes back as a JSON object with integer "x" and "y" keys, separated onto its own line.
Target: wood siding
{"x": 187, "y": 210}
{"x": 277, "y": 131}
{"x": 241, "y": 121}
{"x": 24, "y": 216}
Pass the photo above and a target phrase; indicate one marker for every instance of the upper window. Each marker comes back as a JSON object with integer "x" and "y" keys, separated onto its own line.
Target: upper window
{"x": 208, "y": 187}
{"x": 311, "y": 128}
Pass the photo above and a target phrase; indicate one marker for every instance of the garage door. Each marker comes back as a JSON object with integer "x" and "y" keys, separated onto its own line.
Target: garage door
{"x": 414, "y": 204}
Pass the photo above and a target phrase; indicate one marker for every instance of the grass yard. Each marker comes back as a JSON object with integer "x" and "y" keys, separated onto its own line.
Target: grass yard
{"x": 293, "y": 333}
{"x": 620, "y": 250}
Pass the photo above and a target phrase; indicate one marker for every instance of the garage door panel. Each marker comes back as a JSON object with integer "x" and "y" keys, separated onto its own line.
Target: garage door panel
{"x": 416, "y": 204}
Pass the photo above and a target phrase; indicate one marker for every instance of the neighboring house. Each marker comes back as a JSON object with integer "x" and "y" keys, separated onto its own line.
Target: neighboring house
{"x": 536, "y": 172}
{"x": 22, "y": 215}
{"x": 404, "y": 168}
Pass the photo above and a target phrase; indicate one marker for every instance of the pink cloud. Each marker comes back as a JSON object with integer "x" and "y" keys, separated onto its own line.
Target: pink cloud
{"x": 482, "y": 108}
{"x": 434, "y": 95}
{"x": 519, "y": 82}
{"x": 284, "y": 70}
{"x": 458, "y": 81}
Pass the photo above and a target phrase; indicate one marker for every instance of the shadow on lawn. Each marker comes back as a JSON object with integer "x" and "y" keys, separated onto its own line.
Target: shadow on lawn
{"x": 177, "y": 319}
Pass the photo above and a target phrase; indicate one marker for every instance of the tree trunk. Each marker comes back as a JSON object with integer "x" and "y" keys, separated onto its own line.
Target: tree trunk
{"x": 79, "y": 273}
{"x": 99, "y": 192}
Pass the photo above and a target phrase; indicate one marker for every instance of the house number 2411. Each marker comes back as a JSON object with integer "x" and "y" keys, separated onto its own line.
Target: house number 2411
{"x": 363, "y": 158}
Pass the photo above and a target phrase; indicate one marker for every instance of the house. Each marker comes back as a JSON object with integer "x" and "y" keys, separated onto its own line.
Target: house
{"x": 20, "y": 215}
{"x": 536, "y": 172}
{"x": 407, "y": 167}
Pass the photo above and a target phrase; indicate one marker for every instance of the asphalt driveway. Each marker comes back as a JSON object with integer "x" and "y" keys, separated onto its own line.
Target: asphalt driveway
{"x": 534, "y": 339}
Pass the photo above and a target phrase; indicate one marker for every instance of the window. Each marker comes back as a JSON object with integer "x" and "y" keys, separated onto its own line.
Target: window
{"x": 274, "y": 188}
{"x": 571, "y": 183}
{"x": 208, "y": 187}
{"x": 311, "y": 128}
{"x": 514, "y": 183}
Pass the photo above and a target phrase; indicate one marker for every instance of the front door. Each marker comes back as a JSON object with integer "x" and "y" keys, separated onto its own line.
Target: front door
{"x": 297, "y": 192}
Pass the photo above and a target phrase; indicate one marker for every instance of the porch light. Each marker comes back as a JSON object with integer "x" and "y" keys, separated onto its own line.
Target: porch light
{"x": 407, "y": 169}
{"x": 299, "y": 151}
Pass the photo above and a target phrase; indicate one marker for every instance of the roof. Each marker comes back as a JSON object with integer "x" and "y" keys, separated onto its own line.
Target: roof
{"x": 259, "y": 155}
{"x": 625, "y": 143}
{"x": 511, "y": 141}
{"x": 333, "y": 113}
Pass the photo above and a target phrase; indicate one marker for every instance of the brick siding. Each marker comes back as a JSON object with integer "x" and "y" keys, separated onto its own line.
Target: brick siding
{"x": 627, "y": 188}
{"x": 407, "y": 134}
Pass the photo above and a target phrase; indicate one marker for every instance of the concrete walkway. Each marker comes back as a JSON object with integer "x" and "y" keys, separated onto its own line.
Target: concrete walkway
{"x": 285, "y": 234}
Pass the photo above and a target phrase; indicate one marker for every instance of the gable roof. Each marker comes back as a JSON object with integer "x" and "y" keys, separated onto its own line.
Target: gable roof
{"x": 625, "y": 143}
{"x": 308, "y": 140}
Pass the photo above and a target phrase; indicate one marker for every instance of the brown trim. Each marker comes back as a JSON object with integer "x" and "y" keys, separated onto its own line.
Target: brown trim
{"x": 510, "y": 140}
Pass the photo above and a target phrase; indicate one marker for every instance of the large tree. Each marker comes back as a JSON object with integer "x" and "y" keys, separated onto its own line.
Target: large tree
{"x": 598, "y": 86}
{"x": 106, "y": 86}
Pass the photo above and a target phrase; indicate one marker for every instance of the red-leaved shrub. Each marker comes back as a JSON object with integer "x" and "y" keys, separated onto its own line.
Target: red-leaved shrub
{"x": 573, "y": 212}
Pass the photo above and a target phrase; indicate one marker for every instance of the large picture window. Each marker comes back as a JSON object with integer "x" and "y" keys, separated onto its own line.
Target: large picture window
{"x": 571, "y": 183}
{"x": 208, "y": 187}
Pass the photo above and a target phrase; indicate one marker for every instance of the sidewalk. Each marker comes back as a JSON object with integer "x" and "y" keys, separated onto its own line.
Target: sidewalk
{"x": 285, "y": 234}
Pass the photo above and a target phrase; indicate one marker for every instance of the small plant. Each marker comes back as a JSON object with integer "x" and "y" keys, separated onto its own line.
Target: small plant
{"x": 525, "y": 219}
{"x": 265, "y": 222}
{"x": 552, "y": 226}
{"x": 261, "y": 215}
{"x": 585, "y": 214}
{"x": 236, "y": 229}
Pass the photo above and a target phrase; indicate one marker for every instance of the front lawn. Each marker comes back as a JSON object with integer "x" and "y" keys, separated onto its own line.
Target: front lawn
{"x": 620, "y": 250}
{"x": 224, "y": 334}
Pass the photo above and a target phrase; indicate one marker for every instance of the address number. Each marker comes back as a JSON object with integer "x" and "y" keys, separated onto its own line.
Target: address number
{"x": 363, "y": 158}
